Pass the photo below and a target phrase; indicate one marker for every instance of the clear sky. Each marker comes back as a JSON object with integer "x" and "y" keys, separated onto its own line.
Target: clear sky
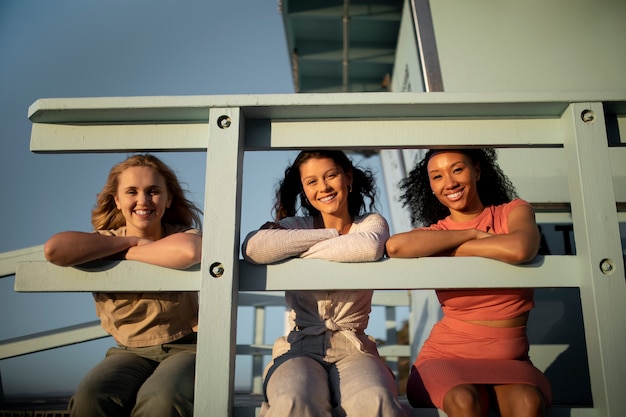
{"x": 77, "y": 48}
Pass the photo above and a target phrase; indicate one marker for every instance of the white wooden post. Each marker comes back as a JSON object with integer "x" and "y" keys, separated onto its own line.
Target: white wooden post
{"x": 598, "y": 247}
{"x": 215, "y": 366}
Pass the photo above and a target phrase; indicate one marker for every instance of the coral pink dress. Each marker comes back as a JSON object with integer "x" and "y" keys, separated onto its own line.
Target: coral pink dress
{"x": 457, "y": 352}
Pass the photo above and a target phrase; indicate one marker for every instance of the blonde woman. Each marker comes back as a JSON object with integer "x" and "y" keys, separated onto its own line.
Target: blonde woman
{"x": 141, "y": 214}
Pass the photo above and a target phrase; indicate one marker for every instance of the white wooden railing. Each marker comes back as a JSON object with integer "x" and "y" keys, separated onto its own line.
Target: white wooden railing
{"x": 259, "y": 301}
{"x": 226, "y": 126}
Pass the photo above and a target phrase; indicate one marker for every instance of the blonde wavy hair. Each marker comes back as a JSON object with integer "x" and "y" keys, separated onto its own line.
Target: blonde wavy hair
{"x": 182, "y": 211}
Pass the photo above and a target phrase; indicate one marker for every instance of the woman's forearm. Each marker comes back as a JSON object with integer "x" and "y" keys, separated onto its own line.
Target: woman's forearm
{"x": 74, "y": 248}
{"x": 272, "y": 245}
{"x": 512, "y": 248}
{"x": 419, "y": 243}
{"x": 177, "y": 251}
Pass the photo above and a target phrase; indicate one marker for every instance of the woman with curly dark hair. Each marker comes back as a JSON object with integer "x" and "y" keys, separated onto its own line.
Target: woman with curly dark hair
{"x": 326, "y": 365}
{"x": 477, "y": 355}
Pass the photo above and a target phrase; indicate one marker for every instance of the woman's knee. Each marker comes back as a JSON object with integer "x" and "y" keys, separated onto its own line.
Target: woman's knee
{"x": 467, "y": 400}
{"x": 169, "y": 404}
{"x": 375, "y": 400}
{"x": 520, "y": 400}
{"x": 298, "y": 387}
{"x": 99, "y": 395}
{"x": 291, "y": 404}
{"x": 90, "y": 400}
{"x": 156, "y": 399}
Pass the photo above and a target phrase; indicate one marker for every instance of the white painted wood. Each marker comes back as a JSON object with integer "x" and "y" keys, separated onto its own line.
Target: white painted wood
{"x": 95, "y": 110}
{"x": 51, "y": 339}
{"x": 315, "y": 274}
{"x": 9, "y": 260}
{"x": 258, "y": 336}
{"x": 370, "y": 134}
{"x": 109, "y": 276}
{"x": 215, "y": 362}
{"x": 394, "y": 170}
{"x": 422, "y": 273}
{"x": 621, "y": 123}
{"x": 148, "y": 137}
{"x": 355, "y": 120}
{"x": 597, "y": 239}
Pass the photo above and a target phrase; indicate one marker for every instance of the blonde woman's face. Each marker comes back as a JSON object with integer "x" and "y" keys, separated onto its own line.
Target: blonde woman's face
{"x": 142, "y": 197}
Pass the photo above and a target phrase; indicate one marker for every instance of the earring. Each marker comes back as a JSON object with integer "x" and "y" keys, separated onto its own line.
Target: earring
{"x": 350, "y": 188}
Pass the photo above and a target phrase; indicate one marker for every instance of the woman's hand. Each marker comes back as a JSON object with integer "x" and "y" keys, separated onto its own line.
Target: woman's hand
{"x": 481, "y": 235}
{"x": 271, "y": 225}
{"x": 177, "y": 251}
{"x": 519, "y": 245}
{"x": 419, "y": 243}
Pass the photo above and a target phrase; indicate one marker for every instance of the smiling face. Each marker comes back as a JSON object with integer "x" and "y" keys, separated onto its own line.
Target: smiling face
{"x": 325, "y": 185}
{"x": 453, "y": 177}
{"x": 142, "y": 197}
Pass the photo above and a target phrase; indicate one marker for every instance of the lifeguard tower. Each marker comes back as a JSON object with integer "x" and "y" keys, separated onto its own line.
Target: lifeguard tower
{"x": 541, "y": 82}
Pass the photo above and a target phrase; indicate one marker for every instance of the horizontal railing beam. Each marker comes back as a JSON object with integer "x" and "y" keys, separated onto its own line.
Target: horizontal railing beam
{"x": 313, "y": 274}
{"x": 51, "y": 339}
{"x": 194, "y": 109}
{"x": 64, "y": 138}
{"x": 425, "y": 273}
{"x": 111, "y": 276}
{"x": 9, "y": 260}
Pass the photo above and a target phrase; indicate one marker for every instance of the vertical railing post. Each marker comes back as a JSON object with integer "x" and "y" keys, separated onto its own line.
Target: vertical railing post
{"x": 215, "y": 367}
{"x": 257, "y": 359}
{"x": 392, "y": 336}
{"x": 598, "y": 247}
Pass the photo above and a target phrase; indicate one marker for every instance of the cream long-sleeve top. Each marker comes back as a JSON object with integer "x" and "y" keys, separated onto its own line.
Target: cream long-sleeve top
{"x": 315, "y": 312}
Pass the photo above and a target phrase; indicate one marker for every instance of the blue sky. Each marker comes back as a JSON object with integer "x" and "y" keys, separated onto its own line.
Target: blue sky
{"x": 77, "y": 48}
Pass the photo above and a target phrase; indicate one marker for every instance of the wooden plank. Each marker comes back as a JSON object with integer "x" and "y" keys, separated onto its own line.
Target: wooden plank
{"x": 598, "y": 245}
{"x": 312, "y": 106}
{"x": 51, "y": 339}
{"x": 46, "y": 137}
{"x": 367, "y": 134}
{"x": 220, "y": 265}
{"x": 42, "y": 276}
{"x": 9, "y": 260}
{"x": 314, "y": 274}
{"x": 422, "y": 273}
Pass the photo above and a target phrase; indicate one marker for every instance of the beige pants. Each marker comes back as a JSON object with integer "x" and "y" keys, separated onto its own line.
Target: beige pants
{"x": 328, "y": 375}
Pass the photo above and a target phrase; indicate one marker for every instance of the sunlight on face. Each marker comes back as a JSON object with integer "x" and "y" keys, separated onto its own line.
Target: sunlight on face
{"x": 142, "y": 197}
{"x": 325, "y": 185}
{"x": 453, "y": 178}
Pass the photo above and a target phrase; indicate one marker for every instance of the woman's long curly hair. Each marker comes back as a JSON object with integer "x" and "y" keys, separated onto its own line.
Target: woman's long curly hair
{"x": 493, "y": 188}
{"x": 290, "y": 195}
{"x": 105, "y": 214}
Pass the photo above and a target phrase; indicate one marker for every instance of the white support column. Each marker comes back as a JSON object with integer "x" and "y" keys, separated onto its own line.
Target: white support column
{"x": 220, "y": 259}
{"x": 598, "y": 247}
{"x": 425, "y": 311}
{"x": 394, "y": 170}
{"x": 258, "y": 340}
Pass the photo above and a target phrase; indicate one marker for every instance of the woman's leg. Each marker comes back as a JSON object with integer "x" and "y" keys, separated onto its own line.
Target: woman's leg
{"x": 169, "y": 391}
{"x": 519, "y": 400}
{"x": 364, "y": 386}
{"x": 110, "y": 388}
{"x": 466, "y": 401}
{"x": 296, "y": 386}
